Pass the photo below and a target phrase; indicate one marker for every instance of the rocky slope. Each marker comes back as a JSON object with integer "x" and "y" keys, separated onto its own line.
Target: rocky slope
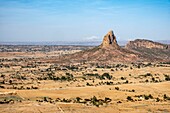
{"x": 142, "y": 43}
{"x": 151, "y": 50}
{"x": 108, "y": 52}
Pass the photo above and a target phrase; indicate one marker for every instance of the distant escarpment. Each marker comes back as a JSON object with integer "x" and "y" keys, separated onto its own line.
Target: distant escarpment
{"x": 142, "y": 43}
{"x": 151, "y": 50}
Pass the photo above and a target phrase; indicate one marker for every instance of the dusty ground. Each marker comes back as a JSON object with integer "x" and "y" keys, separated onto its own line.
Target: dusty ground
{"x": 20, "y": 75}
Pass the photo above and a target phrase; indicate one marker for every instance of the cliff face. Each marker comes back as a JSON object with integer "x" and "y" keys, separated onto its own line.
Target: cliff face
{"x": 150, "y": 50}
{"x": 141, "y": 43}
{"x": 109, "y": 40}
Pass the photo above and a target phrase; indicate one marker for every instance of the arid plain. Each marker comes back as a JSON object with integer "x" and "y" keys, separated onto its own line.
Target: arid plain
{"x": 31, "y": 82}
{"x": 84, "y": 56}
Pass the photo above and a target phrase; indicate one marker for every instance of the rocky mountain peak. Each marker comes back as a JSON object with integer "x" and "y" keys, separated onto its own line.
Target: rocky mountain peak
{"x": 109, "y": 40}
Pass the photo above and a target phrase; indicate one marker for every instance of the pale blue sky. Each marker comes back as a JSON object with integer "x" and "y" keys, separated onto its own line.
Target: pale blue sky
{"x": 82, "y": 20}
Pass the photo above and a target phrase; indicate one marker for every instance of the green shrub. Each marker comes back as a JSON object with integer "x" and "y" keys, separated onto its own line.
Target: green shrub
{"x": 129, "y": 98}
{"x": 117, "y": 88}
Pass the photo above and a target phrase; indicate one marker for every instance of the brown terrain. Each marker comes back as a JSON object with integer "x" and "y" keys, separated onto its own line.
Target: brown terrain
{"x": 81, "y": 79}
{"x": 109, "y": 51}
{"x": 153, "y": 50}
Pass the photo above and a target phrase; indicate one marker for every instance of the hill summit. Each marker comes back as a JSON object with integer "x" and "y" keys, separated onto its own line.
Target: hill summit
{"x": 109, "y": 40}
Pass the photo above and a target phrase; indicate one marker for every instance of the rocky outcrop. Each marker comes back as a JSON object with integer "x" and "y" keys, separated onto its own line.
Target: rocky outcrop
{"x": 109, "y": 40}
{"x": 142, "y": 43}
{"x": 151, "y": 50}
{"x": 110, "y": 52}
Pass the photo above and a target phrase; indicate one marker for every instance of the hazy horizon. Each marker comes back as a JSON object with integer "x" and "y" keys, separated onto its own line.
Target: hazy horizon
{"x": 83, "y": 20}
{"x": 73, "y": 43}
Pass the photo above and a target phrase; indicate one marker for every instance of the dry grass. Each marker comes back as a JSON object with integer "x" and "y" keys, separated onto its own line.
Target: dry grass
{"x": 78, "y": 88}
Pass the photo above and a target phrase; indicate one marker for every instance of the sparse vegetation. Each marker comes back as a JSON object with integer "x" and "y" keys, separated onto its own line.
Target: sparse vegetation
{"x": 50, "y": 82}
{"x": 92, "y": 101}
